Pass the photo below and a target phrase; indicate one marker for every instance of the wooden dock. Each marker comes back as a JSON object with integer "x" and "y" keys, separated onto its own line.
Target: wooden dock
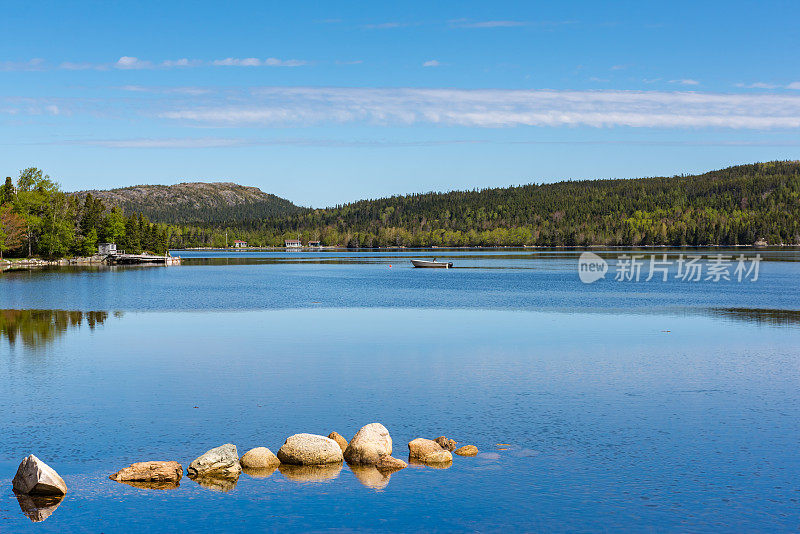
{"x": 142, "y": 259}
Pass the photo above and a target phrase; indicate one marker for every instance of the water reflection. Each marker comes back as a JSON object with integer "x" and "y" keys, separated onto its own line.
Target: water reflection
{"x": 436, "y": 465}
{"x": 370, "y": 476}
{"x": 216, "y": 483}
{"x": 141, "y": 484}
{"x": 311, "y": 473}
{"x": 259, "y": 472}
{"x": 38, "y": 508}
{"x": 760, "y": 316}
{"x": 35, "y": 328}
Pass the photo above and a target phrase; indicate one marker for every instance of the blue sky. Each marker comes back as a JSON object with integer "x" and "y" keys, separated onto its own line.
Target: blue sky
{"x": 328, "y": 102}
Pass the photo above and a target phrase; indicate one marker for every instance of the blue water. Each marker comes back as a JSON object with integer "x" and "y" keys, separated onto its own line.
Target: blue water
{"x": 669, "y": 406}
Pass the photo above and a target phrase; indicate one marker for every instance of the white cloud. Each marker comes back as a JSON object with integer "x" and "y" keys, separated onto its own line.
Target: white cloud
{"x": 431, "y": 63}
{"x": 497, "y": 108}
{"x": 794, "y": 85}
{"x": 32, "y": 64}
{"x": 685, "y": 81}
{"x": 256, "y": 62}
{"x": 130, "y": 62}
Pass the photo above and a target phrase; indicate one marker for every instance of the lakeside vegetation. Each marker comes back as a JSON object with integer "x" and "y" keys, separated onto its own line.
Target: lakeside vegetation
{"x": 735, "y": 206}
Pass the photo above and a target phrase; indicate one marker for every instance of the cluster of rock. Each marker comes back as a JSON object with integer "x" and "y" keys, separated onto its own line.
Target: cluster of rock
{"x": 302, "y": 457}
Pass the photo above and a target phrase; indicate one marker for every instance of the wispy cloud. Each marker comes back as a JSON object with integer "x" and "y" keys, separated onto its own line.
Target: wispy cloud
{"x": 256, "y": 62}
{"x": 685, "y": 81}
{"x": 385, "y": 25}
{"x": 794, "y": 85}
{"x": 465, "y": 23}
{"x": 30, "y": 65}
{"x": 765, "y": 85}
{"x": 431, "y": 63}
{"x": 193, "y": 91}
{"x": 496, "y": 108}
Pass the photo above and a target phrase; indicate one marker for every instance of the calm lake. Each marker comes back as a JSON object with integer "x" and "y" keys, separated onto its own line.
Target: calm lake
{"x": 617, "y": 405}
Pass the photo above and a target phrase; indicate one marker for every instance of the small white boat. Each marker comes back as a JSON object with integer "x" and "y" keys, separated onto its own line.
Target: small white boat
{"x": 434, "y": 263}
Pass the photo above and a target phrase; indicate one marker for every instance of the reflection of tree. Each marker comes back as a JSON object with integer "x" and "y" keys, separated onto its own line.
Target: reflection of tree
{"x": 761, "y": 316}
{"x": 39, "y": 327}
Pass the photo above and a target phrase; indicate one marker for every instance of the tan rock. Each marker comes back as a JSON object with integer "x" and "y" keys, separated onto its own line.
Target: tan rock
{"x": 369, "y": 445}
{"x": 220, "y": 461}
{"x": 309, "y": 449}
{"x": 339, "y": 439}
{"x": 466, "y": 450}
{"x": 428, "y": 451}
{"x": 259, "y": 458}
{"x": 34, "y": 477}
{"x": 156, "y": 471}
{"x": 446, "y": 444}
{"x": 260, "y": 472}
{"x": 388, "y": 464}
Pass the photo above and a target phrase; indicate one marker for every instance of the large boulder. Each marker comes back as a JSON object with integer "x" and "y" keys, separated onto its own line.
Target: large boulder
{"x": 466, "y": 450}
{"x": 428, "y": 451}
{"x": 222, "y": 461}
{"x": 259, "y": 458}
{"x": 338, "y": 438}
{"x": 369, "y": 445}
{"x": 309, "y": 449}
{"x": 34, "y": 477}
{"x": 446, "y": 444}
{"x": 157, "y": 471}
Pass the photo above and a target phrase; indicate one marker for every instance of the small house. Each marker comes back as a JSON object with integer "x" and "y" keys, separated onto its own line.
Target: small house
{"x": 239, "y": 244}
{"x": 315, "y": 244}
{"x": 107, "y": 248}
{"x": 293, "y": 243}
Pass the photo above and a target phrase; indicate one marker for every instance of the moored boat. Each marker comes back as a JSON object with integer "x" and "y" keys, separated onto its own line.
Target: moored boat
{"x": 434, "y": 263}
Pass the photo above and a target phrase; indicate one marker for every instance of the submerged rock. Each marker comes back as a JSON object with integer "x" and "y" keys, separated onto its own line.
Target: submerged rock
{"x": 159, "y": 472}
{"x": 38, "y": 507}
{"x": 34, "y": 477}
{"x": 311, "y": 473}
{"x": 220, "y": 461}
{"x": 369, "y": 445}
{"x": 339, "y": 439}
{"x": 446, "y": 444}
{"x": 428, "y": 451}
{"x": 466, "y": 450}
{"x": 259, "y": 458}
{"x": 309, "y": 449}
{"x": 388, "y": 464}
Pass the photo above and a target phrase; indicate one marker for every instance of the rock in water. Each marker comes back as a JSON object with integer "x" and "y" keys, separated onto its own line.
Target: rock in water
{"x": 446, "y": 444}
{"x": 34, "y": 477}
{"x": 159, "y": 472}
{"x": 387, "y": 464}
{"x": 338, "y": 438}
{"x": 369, "y": 445}
{"x": 221, "y": 461}
{"x": 309, "y": 449}
{"x": 38, "y": 507}
{"x": 428, "y": 451}
{"x": 466, "y": 450}
{"x": 259, "y": 458}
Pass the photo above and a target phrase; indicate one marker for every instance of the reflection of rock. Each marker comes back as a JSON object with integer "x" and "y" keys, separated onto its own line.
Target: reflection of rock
{"x": 38, "y": 507}
{"x": 309, "y": 449}
{"x": 217, "y": 483}
{"x": 339, "y": 439}
{"x": 446, "y": 444}
{"x": 260, "y": 472}
{"x": 259, "y": 458}
{"x": 143, "y": 484}
{"x": 466, "y": 450}
{"x": 158, "y": 472}
{"x": 427, "y": 451}
{"x": 387, "y": 464}
{"x": 370, "y": 476}
{"x": 310, "y": 473}
{"x": 435, "y": 465}
{"x": 34, "y": 477}
{"x": 368, "y": 445}
{"x": 220, "y": 462}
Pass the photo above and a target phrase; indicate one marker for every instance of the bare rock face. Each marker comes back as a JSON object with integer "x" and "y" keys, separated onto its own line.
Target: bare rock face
{"x": 34, "y": 477}
{"x": 369, "y": 445}
{"x": 338, "y": 438}
{"x": 387, "y": 464}
{"x": 309, "y": 449}
{"x": 446, "y": 444}
{"x": 428, "y": 451}
{"x": 222, "y": 461}
{"x": 157, "y": 471}
{"x": 259, "y": 458}
{"x": 466, "y": 450}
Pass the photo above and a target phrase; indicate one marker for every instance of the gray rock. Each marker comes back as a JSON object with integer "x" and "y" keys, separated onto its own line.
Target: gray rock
{"x": 259, "y": 458}
{"x": 34, "y": 477}
{"x": 428, "y": 451}
{"x": 309, "y": 449}
{"x": 222, "y": 461}
{"x": 369, "y": 445}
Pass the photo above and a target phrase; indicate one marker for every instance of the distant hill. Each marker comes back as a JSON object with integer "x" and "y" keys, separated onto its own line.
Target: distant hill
{"x": 217, "y": 203}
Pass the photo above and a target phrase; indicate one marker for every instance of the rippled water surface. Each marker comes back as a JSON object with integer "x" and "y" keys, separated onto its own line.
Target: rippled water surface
{"x": 624, "y": 406}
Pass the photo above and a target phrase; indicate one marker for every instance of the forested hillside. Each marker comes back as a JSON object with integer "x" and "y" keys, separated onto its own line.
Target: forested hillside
{"x": 737, "y": 205}
{"x": 218, "y": 203}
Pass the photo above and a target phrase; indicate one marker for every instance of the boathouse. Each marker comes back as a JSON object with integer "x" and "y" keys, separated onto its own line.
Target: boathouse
{"x": 107, "y": 248}
{"x": 293, "y": 243}
{"x": 239, "y": 244}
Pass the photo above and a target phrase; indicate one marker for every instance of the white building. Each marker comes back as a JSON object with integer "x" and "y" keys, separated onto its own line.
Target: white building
{"x": 293, "y": 243}
{"x": 239, "y": 244}
{"x": 107, "y": 248}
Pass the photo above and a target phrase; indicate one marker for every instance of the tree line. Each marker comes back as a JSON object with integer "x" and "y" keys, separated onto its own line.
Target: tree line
{"x": 38, "y": 219}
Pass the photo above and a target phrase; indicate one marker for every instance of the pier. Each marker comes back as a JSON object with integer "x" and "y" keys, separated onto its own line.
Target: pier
{"x": 141, "y": 259}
